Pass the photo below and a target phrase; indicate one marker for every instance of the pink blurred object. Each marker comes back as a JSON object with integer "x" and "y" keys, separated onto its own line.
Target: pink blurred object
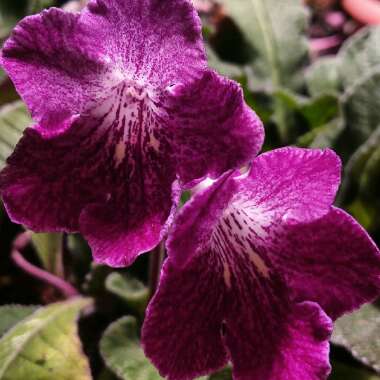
{"x": 365, "y": 11}
{"x": 320, "y": 45}
{"x": 335, "y": 19}
{"x": 204, "y": 6}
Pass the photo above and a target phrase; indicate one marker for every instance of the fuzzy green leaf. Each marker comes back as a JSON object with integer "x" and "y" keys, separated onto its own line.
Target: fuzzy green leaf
{"x": 121, "y": 351}
{"x": 225, "y": 68}
{"x": 370, "y": 180}
{"x": 132, "y": 291}
{"x": 361, "y": 112}
{"x": 14, "y": 118}
{"x": 323, "y": 136}
{"x": 323, "y": 76}
{"x": 10, "y": 315}
{"x": 355, "y": 168}
{"x": 359, "y": 55}
{"x": 277, "y": 32}
{"x": 359, "y": 333}
{"x": 45, "y": 345}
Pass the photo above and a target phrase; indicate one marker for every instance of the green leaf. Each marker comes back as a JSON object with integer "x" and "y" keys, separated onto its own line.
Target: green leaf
{"x": 323, "y": 76}
{"x": 359, "y": 55}
{"x": 14, "y": 118}
{"x": 45, "y": 345}
{"x": 11, "y": 11}
{"x": 318, "y": 116}
{"x": 277, "y": 32}
{"x": 365, "y": 214}
{"x": 121, "y": 351}
{"x": 10, "y": 315}
{"x": 35, "y": 6}
{"x": 323, "y": 136}
{"x": 344, "y": 372}
{"x": 49, "y": 250}
{"x": 358, "y": 160}
{"x": 320, "y": 110}
{"x": 224, "y": 374}
{"x": 359, "y": 333}
{"x": 361, "y": 112}
{"x": 370, "y": 180}
{"x": 227, "y": 69}
{"x": 129, "y": 289}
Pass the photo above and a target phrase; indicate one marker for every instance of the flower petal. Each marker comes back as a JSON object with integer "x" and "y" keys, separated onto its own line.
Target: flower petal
{"x": 117, "y": 237}
{"x": 62, "y": 63}
{"x": 193, "y": 226}
{"x": 144, "y": 38}
{"x": 54, "y": 61}
{"x": 293, "y": 184}
{"x": 47, "y": 182}
{"x": 266, "y": 335}
{"x": 275, "y": 342}
{"x": 213, "y": 129}
{"x": 113, "y": 167}
{"x": 331, "y": 261}
{"x": 234, "y": 288}
{"x": 182, "y": 332}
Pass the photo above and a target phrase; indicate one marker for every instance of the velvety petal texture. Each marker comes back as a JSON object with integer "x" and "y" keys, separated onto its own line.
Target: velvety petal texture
{"x": 119, "y": 125}
{"x": 219, "y": 135}
{"x": 268, "y": 261}
{"x": 62, "y": 63}
{"x": 331, "y": 261}
{"x": 293, "y": 184}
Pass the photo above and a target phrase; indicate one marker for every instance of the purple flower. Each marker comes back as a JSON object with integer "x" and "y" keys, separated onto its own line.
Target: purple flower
{"x": 258, "y": 264}
{"x": 126, "y": 111}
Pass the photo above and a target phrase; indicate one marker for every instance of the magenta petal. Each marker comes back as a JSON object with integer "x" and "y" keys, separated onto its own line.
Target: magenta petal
{"x": 193, "y": 226}
{"x": 182, "y": 331}
{"x": 47, "y": 182}
{"x": 121, "y": 190}
{"x": 152, "y": 41}
{"x": 213, "y": 129}
{"x": 208, "y": 308}
{"x": 55, "y": 64}
{"x": 331, "y": 261}
{"x": 225, "y": 285}
{"x": 293, "y": 184}
{"x": 117, "y": 238}
{"x": 278, "y": 342}
{"x": 63, "y": 63}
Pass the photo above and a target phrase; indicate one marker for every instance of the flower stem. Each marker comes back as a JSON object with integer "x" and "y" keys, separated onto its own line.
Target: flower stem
{"x": 156, "y": 259}
{"x": 19, "y": 244}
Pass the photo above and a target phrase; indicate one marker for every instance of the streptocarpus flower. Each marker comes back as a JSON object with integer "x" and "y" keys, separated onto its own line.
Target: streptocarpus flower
{"x": 257, "y": 266}
{"x": 125, "y": 109}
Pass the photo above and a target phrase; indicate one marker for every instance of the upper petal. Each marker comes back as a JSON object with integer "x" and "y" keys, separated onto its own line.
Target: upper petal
{"x": 292, "y": 184}
{"x": 212, "y": 128}
{"x": 61, "y": 63}
{"x": 331, "y": 261}
{"x": 153, "y": 41}
{"x": 55, "y": 64}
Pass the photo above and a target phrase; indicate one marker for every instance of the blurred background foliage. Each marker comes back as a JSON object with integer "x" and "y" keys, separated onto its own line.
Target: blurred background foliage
{"x": 311, "y": 70}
